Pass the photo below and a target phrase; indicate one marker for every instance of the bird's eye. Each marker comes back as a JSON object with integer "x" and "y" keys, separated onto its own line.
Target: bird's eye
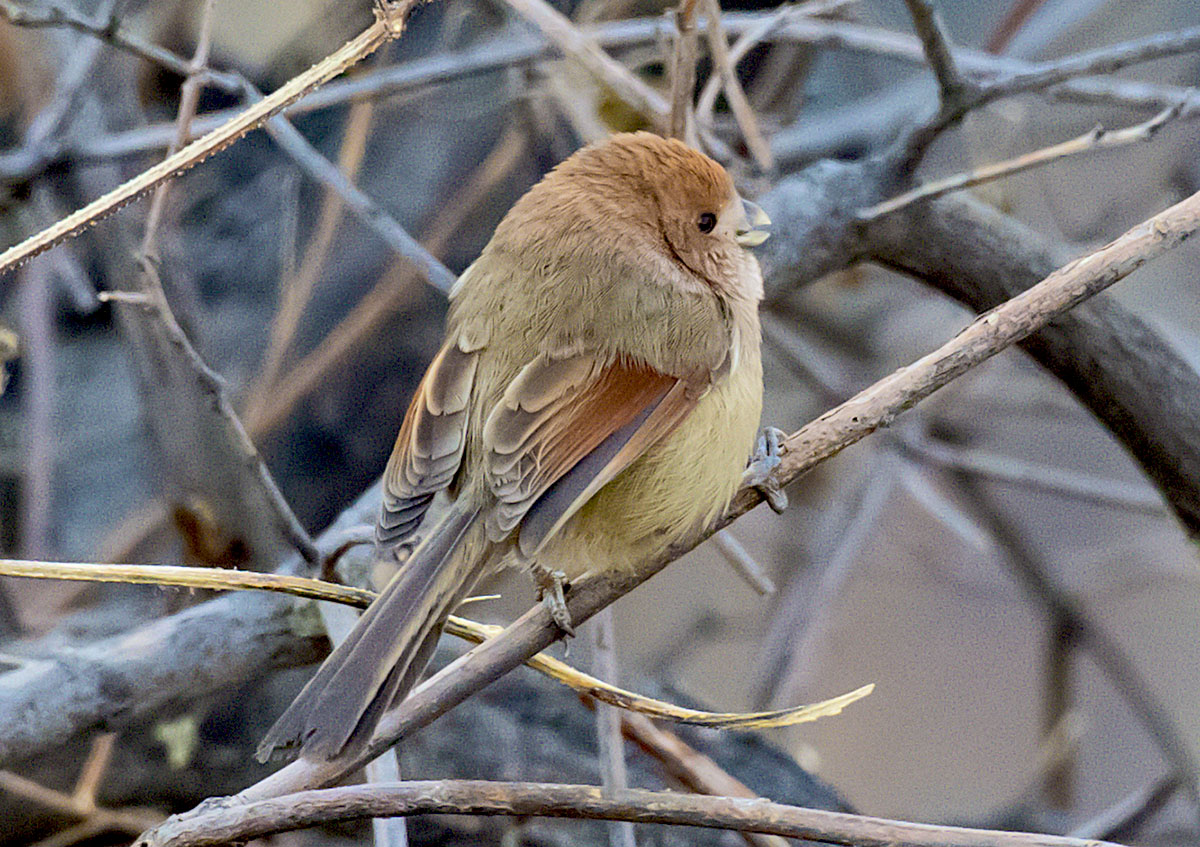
{"x": 707, "y": 221}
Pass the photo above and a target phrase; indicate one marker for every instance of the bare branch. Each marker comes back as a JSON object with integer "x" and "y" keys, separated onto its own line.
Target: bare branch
{"x": 386, "y": 26}
{"x": 743, "y": 112}
{"x": 743, "y": 563}
{"x": 614, "y": 776}
{"x": 563, "y": 34}
{"x": 1096, "y": 139}
{"x": 236, "y": 822}
{"x": 693, "y": 769}
{"x": 683, "y": 73}
{"x": 1043, "y": 75}
{"x": 935, "y": 40}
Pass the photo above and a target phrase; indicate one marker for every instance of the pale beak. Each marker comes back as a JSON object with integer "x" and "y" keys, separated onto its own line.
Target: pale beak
{"x": 749, "y": 234}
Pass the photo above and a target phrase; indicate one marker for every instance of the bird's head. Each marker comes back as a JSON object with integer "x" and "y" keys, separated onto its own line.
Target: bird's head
{"x": 640, "y": 188}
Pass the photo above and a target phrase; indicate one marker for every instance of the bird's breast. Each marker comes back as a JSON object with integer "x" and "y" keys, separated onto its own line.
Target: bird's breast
{"x": 680, "y": 486}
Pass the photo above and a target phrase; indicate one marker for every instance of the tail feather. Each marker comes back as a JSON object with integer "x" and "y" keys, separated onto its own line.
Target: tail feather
{"x": 385, "y": 653}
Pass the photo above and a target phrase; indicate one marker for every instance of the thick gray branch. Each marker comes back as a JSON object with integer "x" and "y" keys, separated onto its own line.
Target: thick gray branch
{"x": 1116, "y": 364}
{"x": 1107, "y": 356}
{"x": 46, "y": 702}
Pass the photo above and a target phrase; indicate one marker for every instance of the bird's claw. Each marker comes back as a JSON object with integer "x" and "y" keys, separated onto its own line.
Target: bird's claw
{"x": 551, "y": 584}
{"x": 760, "y": 472}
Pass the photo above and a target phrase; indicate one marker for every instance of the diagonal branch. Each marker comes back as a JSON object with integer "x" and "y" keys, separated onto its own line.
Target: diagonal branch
{"x": 389, "y": 23}
{"x": 1096, "y": 139}
{"x": 935, "y": 40}
{"x": 743, "y": 112}
{"x": 562, "y": 32}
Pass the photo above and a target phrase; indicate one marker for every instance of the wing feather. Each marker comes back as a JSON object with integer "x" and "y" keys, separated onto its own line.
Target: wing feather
{"x": 567, "y": 425}
{"x": 430, "y": 444}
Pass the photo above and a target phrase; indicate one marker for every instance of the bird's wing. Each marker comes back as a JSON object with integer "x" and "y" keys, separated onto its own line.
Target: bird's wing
{"x": 566, "y": 426}
{"x": 429, "y": 446}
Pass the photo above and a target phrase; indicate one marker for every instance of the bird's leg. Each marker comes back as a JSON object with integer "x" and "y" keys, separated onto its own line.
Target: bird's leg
{"x": 550, "y": 585}
{"x": 766, "y": 459}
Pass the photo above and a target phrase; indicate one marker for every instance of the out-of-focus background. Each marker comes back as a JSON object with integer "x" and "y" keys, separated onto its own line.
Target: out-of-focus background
{"x": 933, "y": 559}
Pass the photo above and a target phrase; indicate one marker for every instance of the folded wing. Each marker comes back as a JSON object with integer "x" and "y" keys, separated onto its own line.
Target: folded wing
{"x": 565, "y": 427}
{"x": 429, "y": 446}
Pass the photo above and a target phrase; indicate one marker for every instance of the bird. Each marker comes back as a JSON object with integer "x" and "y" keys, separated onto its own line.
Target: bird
{"x": 596, "y": 400}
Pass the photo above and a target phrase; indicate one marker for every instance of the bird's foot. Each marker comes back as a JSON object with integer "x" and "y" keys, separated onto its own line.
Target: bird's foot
{"x": 759, "y": 473}
{"x": 551, "y": 585}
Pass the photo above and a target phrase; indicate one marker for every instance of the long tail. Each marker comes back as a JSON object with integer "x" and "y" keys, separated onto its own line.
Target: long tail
{"x": 388, "y": 648}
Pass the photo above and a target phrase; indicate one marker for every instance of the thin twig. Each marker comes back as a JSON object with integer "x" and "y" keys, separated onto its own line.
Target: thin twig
{"x": 614, "y": 776}
{"x": 1098, "y": 62}
{"x": 1061, "y": 481}
{"x": 296, "y": 289}
{"x": 227, "y": 579}
{"x": 189, "y": 99}
{"x": 1095, "y": 139}
{"x": 87, "y": 786}
{"x": 935, "y": 40}
{"x": 1040, "y": 76}
{"x": 743, "y": 112}
{"x": 563, "y": 34}
{"x": 389, "y": 24}
{"x": 745, "y": 42}
{"x": 825, "y": 437}
{"x": 211, "y": 579}
{"x": 683, "y": 73}
{"x": 743, "y": 563}
{"x": 241, "y": 823}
